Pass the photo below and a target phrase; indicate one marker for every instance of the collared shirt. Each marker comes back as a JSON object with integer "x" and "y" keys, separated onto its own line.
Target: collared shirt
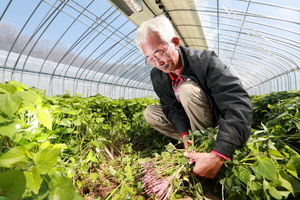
{"x": 176, "y": 82}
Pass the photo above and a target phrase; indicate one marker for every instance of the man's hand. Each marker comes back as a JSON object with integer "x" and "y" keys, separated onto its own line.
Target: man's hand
{"x": 186, "y": 142}
{"x": 207, "y": 164}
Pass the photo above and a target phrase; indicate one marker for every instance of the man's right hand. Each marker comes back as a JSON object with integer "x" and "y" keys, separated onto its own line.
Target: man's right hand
{"x": 206, "y": 164}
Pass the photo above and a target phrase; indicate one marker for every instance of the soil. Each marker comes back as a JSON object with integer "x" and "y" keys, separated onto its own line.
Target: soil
{"x": 99, "y": 190}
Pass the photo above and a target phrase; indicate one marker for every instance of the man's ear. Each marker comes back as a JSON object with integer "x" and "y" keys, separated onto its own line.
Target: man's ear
{"x": 176, "y": 42}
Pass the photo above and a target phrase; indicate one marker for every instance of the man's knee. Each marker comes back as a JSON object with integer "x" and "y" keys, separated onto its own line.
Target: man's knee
{"x": 148, "y": 113}
{"x": 189, "y": 90}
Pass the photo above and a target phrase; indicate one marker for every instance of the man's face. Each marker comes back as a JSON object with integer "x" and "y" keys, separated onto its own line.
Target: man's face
{"x": 162, "y": 55}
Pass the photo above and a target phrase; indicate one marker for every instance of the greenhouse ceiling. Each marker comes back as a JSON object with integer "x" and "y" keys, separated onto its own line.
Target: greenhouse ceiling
{"x": 87, "y": 46}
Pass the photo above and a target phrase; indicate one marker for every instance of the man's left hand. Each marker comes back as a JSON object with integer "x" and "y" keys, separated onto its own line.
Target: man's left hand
{"x": 207, "y": 164}
{"x": 187, "y": 143}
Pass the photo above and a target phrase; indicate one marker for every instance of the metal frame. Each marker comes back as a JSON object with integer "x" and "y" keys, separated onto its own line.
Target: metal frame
{"x": 265, "y": 61}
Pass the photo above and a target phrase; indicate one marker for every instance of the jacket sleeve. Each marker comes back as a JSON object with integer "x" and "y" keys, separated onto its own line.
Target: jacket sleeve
{"x": 170, "y": 106}
{"x": 234, "y": 104}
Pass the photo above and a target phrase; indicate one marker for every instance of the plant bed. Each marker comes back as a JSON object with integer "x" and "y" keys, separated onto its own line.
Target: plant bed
{"x": 75, "y": 147}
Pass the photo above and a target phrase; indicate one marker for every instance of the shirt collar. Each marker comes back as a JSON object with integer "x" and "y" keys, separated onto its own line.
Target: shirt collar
{"x": 174, "y": 76}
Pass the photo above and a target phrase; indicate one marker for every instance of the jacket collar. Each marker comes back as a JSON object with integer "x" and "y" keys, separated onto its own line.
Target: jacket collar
{"x": 185, "y": 62}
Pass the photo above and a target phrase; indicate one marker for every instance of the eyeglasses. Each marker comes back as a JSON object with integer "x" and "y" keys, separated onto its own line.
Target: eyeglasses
{"x": 158, "y": 55}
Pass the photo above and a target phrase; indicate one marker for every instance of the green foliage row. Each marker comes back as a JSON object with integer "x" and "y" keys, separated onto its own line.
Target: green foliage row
{"x": 56, "y": 145}
{"x": 268, "y": 165}
{"x": 28, "y": 161}
{"x": 71, "y": 147}
{"x": 263, "y": 104}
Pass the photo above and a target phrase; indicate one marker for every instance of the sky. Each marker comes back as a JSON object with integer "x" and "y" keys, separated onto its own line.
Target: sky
{"x": 99, "y": 15}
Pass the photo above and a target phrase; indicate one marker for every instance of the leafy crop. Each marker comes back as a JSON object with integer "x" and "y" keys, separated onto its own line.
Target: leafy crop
{"x": 72, "y": 147}
{"x": 263, "y": 104}
{"x": 28, "y": 160}
{"x": 168, "y": 175}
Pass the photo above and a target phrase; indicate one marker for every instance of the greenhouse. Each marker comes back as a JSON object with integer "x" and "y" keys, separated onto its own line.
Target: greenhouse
{"x": 87, "y": 47}
{"x": 74, "y": 86}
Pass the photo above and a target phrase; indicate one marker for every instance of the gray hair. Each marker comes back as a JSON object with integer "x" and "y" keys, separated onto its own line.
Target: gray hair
{"x": 160, "y": 24}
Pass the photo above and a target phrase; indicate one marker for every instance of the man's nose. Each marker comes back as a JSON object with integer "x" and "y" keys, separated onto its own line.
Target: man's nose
{"x": 159, "y": 62}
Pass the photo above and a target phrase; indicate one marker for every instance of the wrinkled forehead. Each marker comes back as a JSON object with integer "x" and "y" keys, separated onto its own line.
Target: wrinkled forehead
{"x": 152, "y": 43}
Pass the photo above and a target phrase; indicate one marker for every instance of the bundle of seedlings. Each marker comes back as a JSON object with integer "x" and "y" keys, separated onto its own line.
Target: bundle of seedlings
{"x": 169, "y": 175}
{"x": 267, "y": 166}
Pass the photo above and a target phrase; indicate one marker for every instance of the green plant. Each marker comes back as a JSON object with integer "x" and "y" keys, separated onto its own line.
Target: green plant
{"x": 76, "y": 147}
{"x": 27, "y": 157}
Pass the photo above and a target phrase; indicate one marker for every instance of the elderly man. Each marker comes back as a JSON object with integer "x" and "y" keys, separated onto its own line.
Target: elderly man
{"x": 196, "y": 91}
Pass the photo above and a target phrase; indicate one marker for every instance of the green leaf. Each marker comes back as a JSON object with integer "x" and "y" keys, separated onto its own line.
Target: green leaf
{"x": 46, "y": 159}
{"x": 44, "y": 189}
{"x": 276, "y": 154}
{"x": 265, "y": 167}
{"x": 283, "y": 114}
{"x": 89, "y": 156}
{"x": 4, "y": 119}
{"x": 129, "y": 172}
{"x": 18, "y": 85}
{"x": 6, "y": 89}
{"x": 78, "y": 197}
{"x": 65, "y": 122}
{"x": 126, "y": 191}
{"x": 181, "y": 160}
{"x": 13, "y": 156}
{"x": 9, "y": 129}
{"x": 92, "y": 176}
{"x": 265, "y": 187}
{"x": 100, "y": 119}
{"x": 30, "y": 97}
{"x": 42, "y": 138}
{"x": 176, "y": 182}
{"x": 13, "y": 183}
{"x": 274, "y": 192}
{"x": 9, "y": 104}
{"x": 62, "y": 189}
{"x": 293, "y": 165}
{"x": 166, "y": 155}
{"x": 271, "y": 145}
{"x": 69, "y": 111}
{"x": 256, "y": 188}
{"x": 77, "y": 122}
{"x": 243, "y": 174}
{"x": 170, "y": 148}
{"x": 44, "y": 117}
{"x": 286, "y": 184}
{"x": 21, "y": 164}
{"x": 272, "y": 122}
{"x": 297, "y": 114}
{"x": 33, "y": 180}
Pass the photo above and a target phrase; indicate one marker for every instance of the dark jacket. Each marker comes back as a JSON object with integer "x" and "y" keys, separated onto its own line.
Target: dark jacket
{"x": 231, "y": 105}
